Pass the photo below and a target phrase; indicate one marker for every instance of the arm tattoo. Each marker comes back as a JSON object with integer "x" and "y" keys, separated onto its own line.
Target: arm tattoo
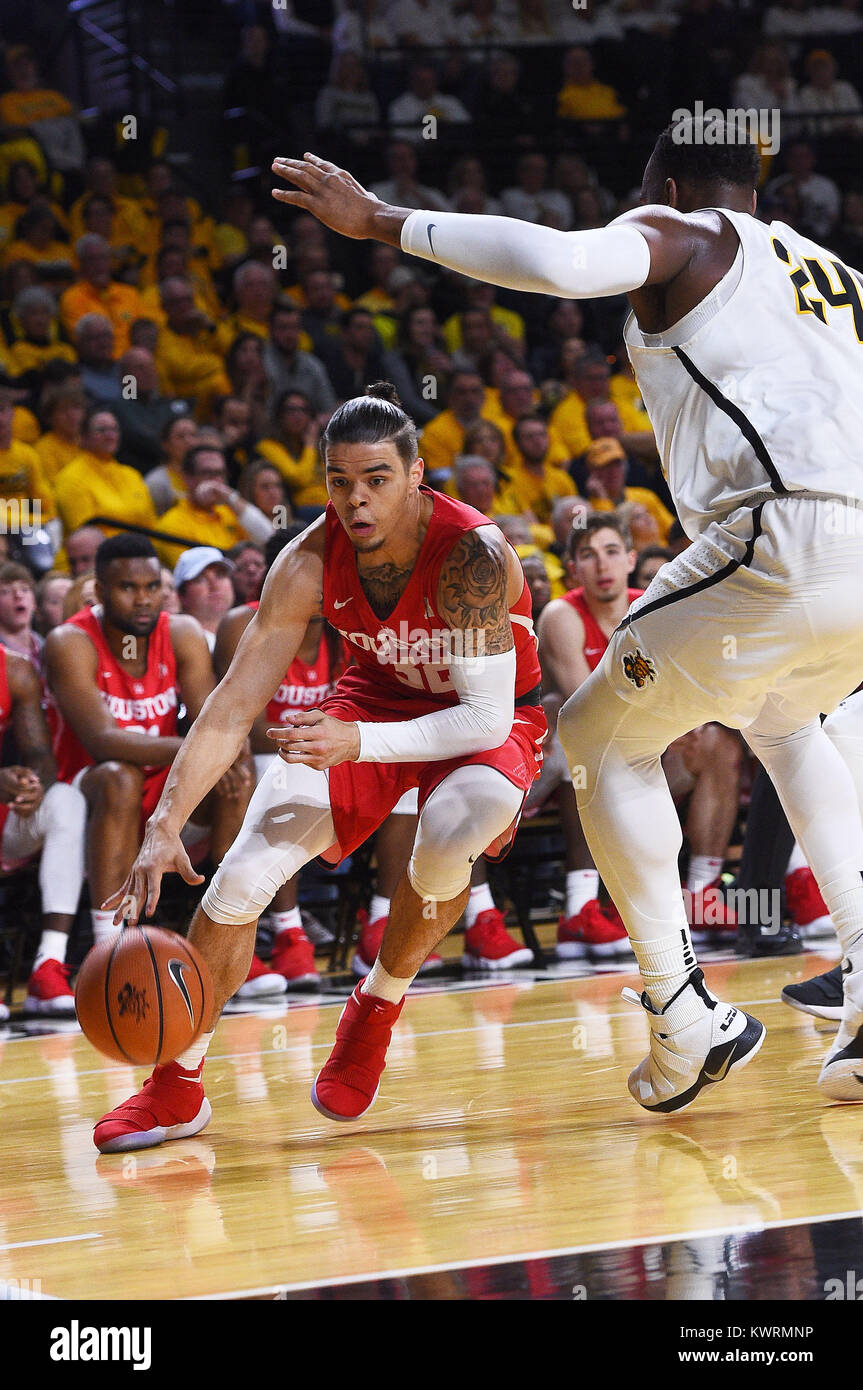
{"x": 472, "y": 591}
{"x": 383, "y": 587}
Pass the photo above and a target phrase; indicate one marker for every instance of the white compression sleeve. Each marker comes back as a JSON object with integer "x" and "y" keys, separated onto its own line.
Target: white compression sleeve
{"x": 481, "y": 720}
{"x": 522, "y": 256}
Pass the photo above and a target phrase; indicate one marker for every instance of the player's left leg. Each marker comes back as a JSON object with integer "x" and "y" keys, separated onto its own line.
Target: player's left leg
{"x": 466, "y": 812}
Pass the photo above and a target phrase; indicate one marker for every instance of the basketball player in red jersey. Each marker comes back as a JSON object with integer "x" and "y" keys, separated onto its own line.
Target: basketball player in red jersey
{"x": 117, "y": 674}
{"x": 443, "y": 695}
{"x": 574, "y": 632}
{"x": 37, "y": 813}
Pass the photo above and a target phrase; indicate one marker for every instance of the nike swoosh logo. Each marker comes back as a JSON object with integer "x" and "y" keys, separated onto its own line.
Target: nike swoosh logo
{"x": 429, "y": 229}
{"x": 175, "y": 970}
{"x": 343, "y": 603}
{"x": 847, "y": 967}
{"x": 718, "y": 1076}
{"x": 858, "y": 1077}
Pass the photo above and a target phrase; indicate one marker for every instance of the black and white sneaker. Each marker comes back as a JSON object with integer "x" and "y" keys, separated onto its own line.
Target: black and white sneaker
{"x": 842, "y": 1073}
{"x": 755, "y": 939}
{"x": 695, "y": 1040}
{"x": 821, "y": 996}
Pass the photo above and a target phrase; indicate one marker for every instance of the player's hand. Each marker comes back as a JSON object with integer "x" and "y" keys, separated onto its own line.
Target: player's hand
{"x": 316, "y": 739}
{"x": 331, "y": 194}
{"x": 20, "y": 789}
{"x": 161, "y": 853}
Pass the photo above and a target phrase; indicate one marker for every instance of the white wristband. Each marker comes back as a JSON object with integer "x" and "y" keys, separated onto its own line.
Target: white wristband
{"x": 524, "y": 256}
{"x": 481, "y": 720}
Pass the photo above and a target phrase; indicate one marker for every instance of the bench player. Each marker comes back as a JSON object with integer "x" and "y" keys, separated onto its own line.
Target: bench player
{"x": 745, "y": 339}
{"x": 443, "y": 695}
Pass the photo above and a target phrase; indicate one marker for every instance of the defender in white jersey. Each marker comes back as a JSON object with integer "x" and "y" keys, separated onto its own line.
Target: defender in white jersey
{"x": 746, "y": 342}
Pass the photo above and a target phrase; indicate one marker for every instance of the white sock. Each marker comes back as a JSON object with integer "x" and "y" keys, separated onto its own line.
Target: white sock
{"x": 582, "y": 885}
{"x": 385, "y": 986}
{"x": 103, "y": 924}
{"x": 378, "y": 907}
{"x": 703, "y": 869}
{"x": 665, "y": 964}
{"x": 52, "y": 946}
{"x": 191, "y": 1059}
{"x": 797, "y": 861}
{"x": 286, "y": 921}
{"x": 480, "y": 900}
{"x": 846, "y": 909}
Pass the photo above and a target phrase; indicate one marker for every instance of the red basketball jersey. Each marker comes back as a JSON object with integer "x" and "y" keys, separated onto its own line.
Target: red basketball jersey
{"x": 405, "y": 657}
{"x": 595, "y": 640}
{"x": 305, "y": 685}
{"x": 147, "y": 703}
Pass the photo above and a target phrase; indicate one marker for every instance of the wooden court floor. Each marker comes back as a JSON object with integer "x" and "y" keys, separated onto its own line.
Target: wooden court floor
{"x": 503, "y": 1131}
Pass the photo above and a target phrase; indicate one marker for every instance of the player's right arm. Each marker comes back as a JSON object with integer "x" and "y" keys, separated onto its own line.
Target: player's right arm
{"x": 561, "y": 647}
{"x": 292, "y": 596}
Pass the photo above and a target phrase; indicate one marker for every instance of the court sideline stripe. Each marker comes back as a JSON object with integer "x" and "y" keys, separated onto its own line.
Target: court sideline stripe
{"x": 631, "y": 1243}
{"x": 52, "y": 1240}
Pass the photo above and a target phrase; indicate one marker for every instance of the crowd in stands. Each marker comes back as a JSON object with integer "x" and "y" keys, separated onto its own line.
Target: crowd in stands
{"x": 168, "y": 359}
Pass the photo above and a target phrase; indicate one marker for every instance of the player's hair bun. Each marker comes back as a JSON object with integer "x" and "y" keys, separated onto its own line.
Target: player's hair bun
{"x": 384, "y": 391}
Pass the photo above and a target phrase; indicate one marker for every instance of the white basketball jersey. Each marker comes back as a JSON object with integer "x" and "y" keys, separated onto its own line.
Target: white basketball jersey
{"x": 758, "y": 390}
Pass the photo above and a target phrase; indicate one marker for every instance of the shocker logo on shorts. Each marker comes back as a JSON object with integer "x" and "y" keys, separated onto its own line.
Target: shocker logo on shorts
{"x": 638, "y": 668}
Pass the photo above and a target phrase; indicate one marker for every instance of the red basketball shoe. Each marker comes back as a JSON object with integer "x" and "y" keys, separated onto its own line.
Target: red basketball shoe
{"x": 602, "y": 931}
{"x": 48, "y": 990}
{"x": 709, "y": 916}
{"x": 489, "y": 946}
{"x": 261, "y": 980}
{"x": 371, "y": 936}
{"x": 294, "y": 957}
{"x": 806, "y": 907}
{"x": 348, "y": 1083}
{"x": 570, "y": 942}
{"x": 171, "y": 1105}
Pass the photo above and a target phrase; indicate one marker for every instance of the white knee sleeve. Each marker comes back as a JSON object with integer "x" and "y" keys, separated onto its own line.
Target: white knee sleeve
{"x": 844, "y": 728}
{"x": 464, "y": 814}
{"x": 288, "y": 822}
{"x": 57, "y": 829}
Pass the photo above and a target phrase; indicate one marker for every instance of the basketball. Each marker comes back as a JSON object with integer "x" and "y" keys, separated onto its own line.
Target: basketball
{"x": 143, "y": 995}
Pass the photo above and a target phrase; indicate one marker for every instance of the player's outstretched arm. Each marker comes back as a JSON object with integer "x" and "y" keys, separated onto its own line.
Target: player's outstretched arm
{"x": 291, "y": 597}
{"x": 649, "y": 246}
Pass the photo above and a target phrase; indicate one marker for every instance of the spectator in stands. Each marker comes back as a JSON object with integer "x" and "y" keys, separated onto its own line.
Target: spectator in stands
{"x": 17, "y": 612}
{"x": 37, "y": 341}
{"x": 255, "y": 288}
{"x": 23, "y": 186}
{"x": 604, "y": 422}
{"x": 833, "y": 102}
{"x": 291, "y": 369}
{"x": 508, "y": 325}
{"x": 582, "y": 97}
{"x": 21, "y": 473}
{"x": 188, "y": 358}
{"x": 588, "y": 380}
{"x": 507, "y": 118}
{"x": 62, "y": 410}
{"x": 768, "y": 83}
{"x": 444, "y": 436}
{"x": 262, "y": 484}
{"x": 292, "y": 445}
{"x": 488, "y": 440}
{"x": 145, "y": 333}
{"x": 250, "y": 568}
{"x": 532, "y": 200}
{"x": 346, "y": 106}
{"x": 475, "y": 483}
{"x": 649, "y": 563}
{"x": 356, "y": 357}
{"x": 81, "y": 547}
{"x": 484, "y": 24}
{"x": 81, "y": 594}
{"x": 382, "y": 261}
{"x": 94, "y": 340}
{"x": 142, "y": 411}
{"x": 51, "y": 590}
{"x": 41, "y": 111}
{"x": 468, "y": 175}
{"x": 402, "y": 187}
{"x": 818, "y": 196}
{"x": 237, "y": 432}
{"x": 323, "y": 308}
{"x": 538, "y": 583}
{"x": 535, "y": 481}
{"x": 36, "y": 240}
{"x": 244, "y": 365}
{"x": 641, "y": 524}
{"x": 417, "y": 23}
{"x": 95, "y": 292}
{"x": 97, "y": 484}
{"x": 211, "y": 513}
{"x": 565, "y": 322}
{"x": 128, "y": 224}
{"x": 567, "y": 514}
{"x": 166, "y": 483}
{"x": 203, "y": 580}
{"x": 420, "y": 348}
{"x": 606, "y": 488}
{"x": 792, "y": 19}
{"x": 170, "y": 597}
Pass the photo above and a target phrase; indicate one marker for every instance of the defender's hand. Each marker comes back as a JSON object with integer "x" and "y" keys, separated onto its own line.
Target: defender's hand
{"x": 316, "y": 739}
{"x": 161, "y": 853}
{"x": 331, "y": 194}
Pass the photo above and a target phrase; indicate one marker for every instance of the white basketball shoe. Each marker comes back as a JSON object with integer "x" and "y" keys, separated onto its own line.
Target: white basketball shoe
{"x": 842, "y": 1073}
{"x": 695, "y": 1040}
